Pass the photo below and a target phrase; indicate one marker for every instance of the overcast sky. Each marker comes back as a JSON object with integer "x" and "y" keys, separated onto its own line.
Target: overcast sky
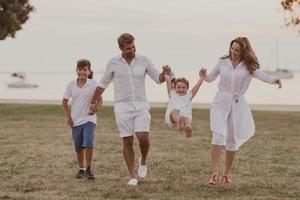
{"x": 182, "y": 33}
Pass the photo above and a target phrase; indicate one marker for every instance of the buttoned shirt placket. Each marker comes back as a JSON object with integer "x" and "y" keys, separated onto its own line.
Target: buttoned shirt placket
{"x": 130, "y": 76}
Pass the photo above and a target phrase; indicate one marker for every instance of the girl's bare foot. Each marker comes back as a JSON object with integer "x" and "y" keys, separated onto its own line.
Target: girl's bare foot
{"x": 188, "y": 131}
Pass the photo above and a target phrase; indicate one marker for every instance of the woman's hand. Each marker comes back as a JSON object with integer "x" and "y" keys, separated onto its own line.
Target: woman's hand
{"x": 202, "y": 73}
{"x": 278, "y": 82}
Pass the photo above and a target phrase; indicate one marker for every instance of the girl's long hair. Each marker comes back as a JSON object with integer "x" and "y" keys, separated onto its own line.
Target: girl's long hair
{"x": 248, "y": 56}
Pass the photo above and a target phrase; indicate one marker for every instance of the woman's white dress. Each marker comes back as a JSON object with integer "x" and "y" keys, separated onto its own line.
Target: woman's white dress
{"x": 232, "y": 86}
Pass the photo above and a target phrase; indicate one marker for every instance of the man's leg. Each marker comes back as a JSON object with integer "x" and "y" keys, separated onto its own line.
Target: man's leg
{"x": 141, "y": 128}
{"x": 128, "y": 154}
{"x": 144, "y": 143}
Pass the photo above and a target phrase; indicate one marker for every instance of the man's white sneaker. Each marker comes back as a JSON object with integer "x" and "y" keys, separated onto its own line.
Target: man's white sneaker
{"x": 132, "y": 182}
{"x": 142, "y": 170}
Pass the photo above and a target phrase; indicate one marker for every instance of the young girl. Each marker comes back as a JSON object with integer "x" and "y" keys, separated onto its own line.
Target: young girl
{"x": 80, "y": 119}
{"x": 179, "y": 110}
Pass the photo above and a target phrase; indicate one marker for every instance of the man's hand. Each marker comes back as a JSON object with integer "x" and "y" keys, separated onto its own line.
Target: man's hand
{"x": 166, "y": 69}
{"x": 93, "y": 109}
{"x": 167, "y": 77}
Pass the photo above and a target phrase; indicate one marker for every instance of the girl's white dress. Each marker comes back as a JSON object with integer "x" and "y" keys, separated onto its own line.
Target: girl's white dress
{"x": 181, "y": 103}
{"x": 233, "y": 84}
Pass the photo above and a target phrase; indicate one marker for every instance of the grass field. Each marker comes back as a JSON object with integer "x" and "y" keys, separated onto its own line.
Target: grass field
{"x": 37, "y": 159}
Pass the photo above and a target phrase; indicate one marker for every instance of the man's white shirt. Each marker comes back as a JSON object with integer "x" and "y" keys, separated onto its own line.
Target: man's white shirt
{"x": 129, "y": 82}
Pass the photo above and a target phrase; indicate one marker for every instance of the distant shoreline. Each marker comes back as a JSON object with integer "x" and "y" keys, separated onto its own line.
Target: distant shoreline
{"x": 290, "y": 108}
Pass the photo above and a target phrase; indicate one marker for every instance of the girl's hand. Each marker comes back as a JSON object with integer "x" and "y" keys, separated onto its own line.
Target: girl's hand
{"x": 166, "y": 69}
{"x": 70, "y": 122}
{"x": 167, "y": 77}
{"x": 278, "y": 82}
{"x": 202, "y": 73}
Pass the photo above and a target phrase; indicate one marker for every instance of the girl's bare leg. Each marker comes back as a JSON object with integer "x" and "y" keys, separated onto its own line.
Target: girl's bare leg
{"x": 187, "y": 127}
{"x": 174, "y": 116}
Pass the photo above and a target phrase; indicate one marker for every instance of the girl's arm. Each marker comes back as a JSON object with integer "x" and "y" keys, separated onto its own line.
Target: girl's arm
{"x": 202, "y": 74}
{"x": 67, "y": 112}
{"x": 169, "y": 83}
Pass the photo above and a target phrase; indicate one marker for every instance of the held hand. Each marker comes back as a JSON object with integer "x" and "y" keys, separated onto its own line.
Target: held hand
{"x": 167, "y": 77}
{"x": 93, "y": 109}
{"x": 202, "y": 73}
{"x": 278, "y": 82}
{"x": 166, "y": 69}
{"x": 100, "y": 102}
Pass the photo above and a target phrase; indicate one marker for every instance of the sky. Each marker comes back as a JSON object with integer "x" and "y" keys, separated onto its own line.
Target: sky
{"x": 186, "y": 34}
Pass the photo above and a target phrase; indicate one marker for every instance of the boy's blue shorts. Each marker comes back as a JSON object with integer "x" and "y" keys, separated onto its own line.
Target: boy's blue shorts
{"x": 83, "y": 135}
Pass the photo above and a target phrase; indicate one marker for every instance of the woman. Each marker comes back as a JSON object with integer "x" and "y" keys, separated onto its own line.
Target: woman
{"x": 230, "y": 116}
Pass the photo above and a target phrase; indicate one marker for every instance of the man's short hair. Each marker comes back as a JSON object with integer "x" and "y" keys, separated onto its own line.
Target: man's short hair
{"x": 125, "y": 38}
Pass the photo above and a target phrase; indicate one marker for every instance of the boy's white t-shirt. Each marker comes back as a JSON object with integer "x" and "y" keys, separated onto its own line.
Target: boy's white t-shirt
{"x": 81, "y": 101}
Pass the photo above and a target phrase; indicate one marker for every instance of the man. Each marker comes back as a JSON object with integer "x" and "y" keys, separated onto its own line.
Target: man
{"x": 128, "y": 72}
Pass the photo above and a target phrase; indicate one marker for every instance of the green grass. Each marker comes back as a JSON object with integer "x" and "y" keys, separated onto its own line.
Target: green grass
{"x": 37, "y": 159}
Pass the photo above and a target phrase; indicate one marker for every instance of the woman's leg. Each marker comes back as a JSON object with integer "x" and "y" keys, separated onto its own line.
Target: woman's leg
{"x": 231, "y": 146}
{"x": 218, "y": 142}
{"x": 215, "y": 153}
{"x": 228, "y": 161}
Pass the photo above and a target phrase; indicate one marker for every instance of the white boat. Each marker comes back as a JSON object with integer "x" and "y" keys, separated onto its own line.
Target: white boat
{"x": 21, "y": 83}
{"x": 280, "y": 72}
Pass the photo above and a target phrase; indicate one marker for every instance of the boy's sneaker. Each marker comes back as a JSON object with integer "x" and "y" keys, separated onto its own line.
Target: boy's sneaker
{"x": 89, "y": 174}
{"x": 80, "y": 174}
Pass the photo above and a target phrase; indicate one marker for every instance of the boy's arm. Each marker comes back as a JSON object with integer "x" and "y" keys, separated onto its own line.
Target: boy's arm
{"x": 202, "y": 74}
{"x": 67, "y": 112}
